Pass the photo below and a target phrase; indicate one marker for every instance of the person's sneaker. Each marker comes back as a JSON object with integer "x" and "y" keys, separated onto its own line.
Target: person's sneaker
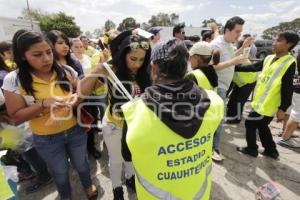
{"x": 272, "y": 154}
{"x": 281, "y": 133}
{"x": 130, "y": 183}
{"x": 36, "y": 184}
{"x": 25, "y": 176}
{"x": 217, "y": 156}
{"x": 247, "y": 151}
{"x": 291, "y": 142}
{"x": 118, "y": 193}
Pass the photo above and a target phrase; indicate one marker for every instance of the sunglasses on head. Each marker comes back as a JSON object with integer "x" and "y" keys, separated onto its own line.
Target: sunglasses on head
{"x": 135, "y": 45}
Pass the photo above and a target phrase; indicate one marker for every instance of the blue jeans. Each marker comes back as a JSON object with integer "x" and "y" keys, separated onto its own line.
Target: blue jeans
{"x": 217, "y": 137}
{"x": 56, "y": 149}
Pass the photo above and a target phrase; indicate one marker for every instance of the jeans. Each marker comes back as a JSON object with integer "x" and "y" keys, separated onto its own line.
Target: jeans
{"x": 216, "y": 143}
{"x": 56, "y": 149}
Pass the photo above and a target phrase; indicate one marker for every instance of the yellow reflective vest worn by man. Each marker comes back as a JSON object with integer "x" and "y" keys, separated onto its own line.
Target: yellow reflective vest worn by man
{"x": 272, "y": 95}
{"x": 168, "y": 132}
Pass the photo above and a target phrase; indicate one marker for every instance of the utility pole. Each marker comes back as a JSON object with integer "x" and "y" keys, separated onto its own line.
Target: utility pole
{"x": 29, "y": 13}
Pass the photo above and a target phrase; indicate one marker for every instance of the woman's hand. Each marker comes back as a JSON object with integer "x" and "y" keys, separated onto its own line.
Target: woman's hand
{"x": 73, "y": 100}
{"x": 56, "y": 102}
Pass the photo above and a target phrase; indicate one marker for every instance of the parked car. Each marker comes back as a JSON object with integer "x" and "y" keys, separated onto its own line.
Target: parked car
{"x": 264, "y": 48}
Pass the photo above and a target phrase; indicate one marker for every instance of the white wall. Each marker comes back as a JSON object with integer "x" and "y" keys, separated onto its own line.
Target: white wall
{"x": 167, "y": 32}
{"x": 8, "y": 26}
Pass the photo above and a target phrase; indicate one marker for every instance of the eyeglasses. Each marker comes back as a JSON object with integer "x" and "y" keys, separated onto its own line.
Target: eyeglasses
{"x": 135, "y": 45}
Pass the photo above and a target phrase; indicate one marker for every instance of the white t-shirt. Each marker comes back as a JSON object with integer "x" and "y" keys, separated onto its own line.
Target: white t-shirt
{"x": 226, "y": 53}
{"x": 86, "y": 63}
{"x": 2, "y": 100}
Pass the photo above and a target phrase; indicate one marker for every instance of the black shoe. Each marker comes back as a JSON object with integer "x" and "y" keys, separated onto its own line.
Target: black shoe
{"x": 272, "y": 154}
{"x": 233, "y": 121}
{"x": 118, "y": 193}
{"x": 131, "y": 183}
{"x": 95, "y": 153}
{"x": 37, "y": 184}
{"x": 246, "y": 150}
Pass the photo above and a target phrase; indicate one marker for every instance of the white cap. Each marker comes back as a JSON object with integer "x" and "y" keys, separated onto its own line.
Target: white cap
{"x": 201, "y": 48}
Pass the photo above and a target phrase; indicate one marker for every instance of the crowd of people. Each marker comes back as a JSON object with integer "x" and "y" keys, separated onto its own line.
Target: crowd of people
{"x": 167, "y": 131}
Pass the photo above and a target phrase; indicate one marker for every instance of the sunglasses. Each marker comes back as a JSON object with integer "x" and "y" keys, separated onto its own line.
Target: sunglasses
{"x": 135, "y": 45}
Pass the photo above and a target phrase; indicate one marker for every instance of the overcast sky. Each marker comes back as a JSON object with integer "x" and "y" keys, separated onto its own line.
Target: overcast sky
{"x": 91, "y": 14}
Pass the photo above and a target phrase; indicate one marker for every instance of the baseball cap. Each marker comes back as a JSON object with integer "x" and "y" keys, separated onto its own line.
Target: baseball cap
{"x": 154, "y": 30}
{"x": 201, "y": 48}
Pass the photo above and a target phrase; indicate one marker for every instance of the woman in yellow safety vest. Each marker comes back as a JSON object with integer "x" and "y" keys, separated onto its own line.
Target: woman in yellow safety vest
{"x": 168, "y": 132}
{"x": 272, "y": 95}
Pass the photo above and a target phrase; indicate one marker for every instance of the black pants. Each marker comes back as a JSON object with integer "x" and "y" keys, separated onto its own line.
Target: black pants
{"x": 261, "y": 123}
{"x": 37, "y": 163}
{"x": 237, "y": 99}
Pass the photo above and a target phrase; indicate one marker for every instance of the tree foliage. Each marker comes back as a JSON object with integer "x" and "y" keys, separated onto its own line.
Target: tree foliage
{"x": 127, "y": 24}
{"x": 109, "y": 24}
{"x": 56, "y": 21}
{"x": 163, "y": 19}
{"x": 271, "y": 32}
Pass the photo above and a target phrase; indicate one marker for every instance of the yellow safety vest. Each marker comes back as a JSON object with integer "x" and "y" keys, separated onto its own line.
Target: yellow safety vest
{"x": 5, "y": 190}
{"x": 267, "y": 94}
{"x": 167, "y": 165}
{"x": 202, "y": 80}
{"x": 243, "y": 78}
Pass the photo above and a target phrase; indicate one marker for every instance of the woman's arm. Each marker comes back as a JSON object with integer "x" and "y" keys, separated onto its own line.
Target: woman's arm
{"x": 20, "y": 112}
{"x": 87, "y": 85}
{"x": 253, "y": 67}
{"x": 17, "y": 109}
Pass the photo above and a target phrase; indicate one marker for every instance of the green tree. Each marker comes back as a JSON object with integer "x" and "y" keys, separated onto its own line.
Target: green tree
{"x": 98, "y": 33}
{"x": 56, "y": 21}
{"x": 272, "y": 32}
{"x": 207, "y": 21}
{"x": 109, "y": 25}
{"x": 88, "y": 34}
{"x": 145, "y": 26}
{"x": 163, "y": 19}
{"x": 174, "y": 18}
{"x": 128, "y": 23}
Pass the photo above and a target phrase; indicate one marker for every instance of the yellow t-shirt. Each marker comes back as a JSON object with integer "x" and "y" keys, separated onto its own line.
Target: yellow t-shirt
{"x": 90, "y": 51}
{"x": 43, "y": 90}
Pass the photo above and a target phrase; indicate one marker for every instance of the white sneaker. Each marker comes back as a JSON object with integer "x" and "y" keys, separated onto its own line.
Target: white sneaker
{"x": 217, "y": 156}
{"x": 291, "y": 142}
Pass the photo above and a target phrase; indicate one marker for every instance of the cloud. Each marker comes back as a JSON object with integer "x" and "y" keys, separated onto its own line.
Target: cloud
{"x": 93, "y": 13}
{"x": 254, "y": 23}
{"x": 282, "y": 6}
